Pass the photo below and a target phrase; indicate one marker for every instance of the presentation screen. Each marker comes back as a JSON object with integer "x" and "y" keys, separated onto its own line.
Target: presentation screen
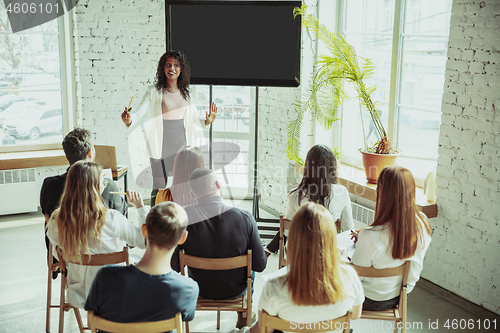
{"x": 251, "y": 43}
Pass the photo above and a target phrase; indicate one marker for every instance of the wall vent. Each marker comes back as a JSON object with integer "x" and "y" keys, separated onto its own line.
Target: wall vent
{"x": 362, "y": 214}
{"x": 19, "y": 191}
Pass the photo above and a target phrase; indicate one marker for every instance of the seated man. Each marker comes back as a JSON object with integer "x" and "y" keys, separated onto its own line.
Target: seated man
{"x": 219, "y": 231}
{"x": 149, "y": 290}
{"x": 77, "y": 146}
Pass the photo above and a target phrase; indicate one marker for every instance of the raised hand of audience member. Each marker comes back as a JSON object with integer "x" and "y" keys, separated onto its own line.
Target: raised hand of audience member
{"x": 135, "y": 199}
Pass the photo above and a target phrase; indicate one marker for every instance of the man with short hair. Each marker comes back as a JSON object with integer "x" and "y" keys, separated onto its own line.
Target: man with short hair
{"x": 219, "y": 231}
{"x": 77, "y": 146}
{"x": 149, "y": 290}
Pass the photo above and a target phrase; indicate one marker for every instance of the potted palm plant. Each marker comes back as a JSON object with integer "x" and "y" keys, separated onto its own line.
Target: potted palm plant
{"x": 326, "y": 91}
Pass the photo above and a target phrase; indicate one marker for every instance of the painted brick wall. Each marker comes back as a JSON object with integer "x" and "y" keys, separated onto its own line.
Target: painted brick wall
{"x": 275, "y": 170}
{"x": 117, "y": 47}
{"x": 463, "y": 256}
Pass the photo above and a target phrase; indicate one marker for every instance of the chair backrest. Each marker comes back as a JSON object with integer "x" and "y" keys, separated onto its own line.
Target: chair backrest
{"x": 106, "y": 156}
{"x": 284, "y": 225}
{"x": 98, "y": 259}
{"x": 384, "y": 272}
{"x": 387, "y": 272}
{"x": 277, "y": 323}
{"x": 216, "y": 264}
{"x": 98, "y": 323}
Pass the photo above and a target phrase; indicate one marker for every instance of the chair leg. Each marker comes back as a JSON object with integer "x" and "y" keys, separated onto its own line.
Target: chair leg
{"x": 218, "y": 319}
{"x": 49, "y": 299}
{"x": 396, "y": 329}
{"x": 187, "y": 327}
{"x": 78, "y": 319}
{"x": 61, "y": 305}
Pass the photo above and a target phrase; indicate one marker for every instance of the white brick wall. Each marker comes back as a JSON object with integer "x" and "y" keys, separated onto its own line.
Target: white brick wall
{"x": 117, "y": 47}
{"x": 275, "y": 170}
{"x": 464, "y": 254}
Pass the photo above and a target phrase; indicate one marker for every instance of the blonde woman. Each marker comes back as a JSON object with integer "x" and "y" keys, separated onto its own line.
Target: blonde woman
{"x": 398, "y": 233}
{"x": 186, "y": 161}
{"x": 83, "y": 225}
{"x": 317, "y": 285}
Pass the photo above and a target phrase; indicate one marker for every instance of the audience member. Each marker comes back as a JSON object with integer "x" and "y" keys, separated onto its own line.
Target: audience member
{"x": 398, "y": 233}
{"x": 219, "y": 231}
{"x": 83, "y": 225}
{"x": 319, "y": 185}
{"x": 77, "y": 146}
{"x": 149, "y": 290}
{"x": 186, "y": 161}
{"x": 317, "y": 286}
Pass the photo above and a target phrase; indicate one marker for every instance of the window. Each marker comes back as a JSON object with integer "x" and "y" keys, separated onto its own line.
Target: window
{"x": 232, "y": 135}
{"x": 31, "y": 85}
{"x": 409, "y": 75}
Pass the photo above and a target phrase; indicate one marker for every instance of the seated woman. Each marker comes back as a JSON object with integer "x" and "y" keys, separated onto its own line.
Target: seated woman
{"x": 317, "y": 285}
{"x": 319, "y": 185}
{"x": 186, "y": 161}
{"x": 398, "y": 233}
{"x": 83, "y": 223}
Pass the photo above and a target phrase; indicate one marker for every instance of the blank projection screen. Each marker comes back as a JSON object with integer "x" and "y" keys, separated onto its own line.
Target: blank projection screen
{"x": 253, "y": 43}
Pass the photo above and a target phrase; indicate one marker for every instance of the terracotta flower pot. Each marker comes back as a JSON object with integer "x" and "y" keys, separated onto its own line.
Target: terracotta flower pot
{"x": 374, "y": 163}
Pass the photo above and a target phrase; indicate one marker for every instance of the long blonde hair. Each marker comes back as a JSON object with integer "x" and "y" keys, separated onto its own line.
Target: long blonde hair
{"x": 314, "y": 269}
{"x": 186, "y": 161}
{"x": 81, "y": 212}
{"x": 397, "y": 210}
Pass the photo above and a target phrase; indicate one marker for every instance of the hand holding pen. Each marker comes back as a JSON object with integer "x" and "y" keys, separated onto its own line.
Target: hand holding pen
{"x": 126, "y": 114}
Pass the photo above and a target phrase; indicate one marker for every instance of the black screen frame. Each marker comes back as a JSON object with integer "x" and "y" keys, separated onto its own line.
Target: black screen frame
{"x": 241, "y": 81}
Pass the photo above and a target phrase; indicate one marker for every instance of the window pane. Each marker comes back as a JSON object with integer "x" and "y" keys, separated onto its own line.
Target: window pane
{"x": 232, "y": 126}
{"x": 424, "y": 44}
{"x": 30, "y": 84}
{"x": 371, "y": 36}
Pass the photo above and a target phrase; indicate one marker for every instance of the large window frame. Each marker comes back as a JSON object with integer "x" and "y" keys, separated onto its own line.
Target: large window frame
{"x": 68, "y": 85}
{"x": 394, "y": 101}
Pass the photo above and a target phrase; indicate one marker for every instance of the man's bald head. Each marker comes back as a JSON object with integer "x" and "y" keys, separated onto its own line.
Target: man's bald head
{"x": 203, "y": 182}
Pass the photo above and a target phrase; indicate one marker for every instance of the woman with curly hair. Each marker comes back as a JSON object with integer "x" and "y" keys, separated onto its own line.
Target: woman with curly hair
{"x": 83, "y": 225}
{"x": 166, "y": 102}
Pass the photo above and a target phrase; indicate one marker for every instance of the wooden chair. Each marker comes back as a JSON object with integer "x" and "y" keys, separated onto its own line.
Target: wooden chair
{"x": 241, "y": 304}
{"x": 97, "y": 323}
{"x": 284, "y": 225}
{"x": 51, "y": 268}
{"x": 397, "y": 314}
{"x": 94, "y": 260}
{"x": 277, "y": 323}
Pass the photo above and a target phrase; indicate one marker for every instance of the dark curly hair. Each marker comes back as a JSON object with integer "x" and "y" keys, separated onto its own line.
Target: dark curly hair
{"x": 184, "y": 77}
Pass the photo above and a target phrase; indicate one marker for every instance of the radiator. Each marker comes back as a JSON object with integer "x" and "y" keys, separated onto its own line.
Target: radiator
{"x": 19, "y": 192}
{"x": 361, "y": 215}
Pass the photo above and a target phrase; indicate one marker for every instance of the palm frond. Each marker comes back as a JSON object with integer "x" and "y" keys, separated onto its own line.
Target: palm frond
{"x": 293, "y": 134}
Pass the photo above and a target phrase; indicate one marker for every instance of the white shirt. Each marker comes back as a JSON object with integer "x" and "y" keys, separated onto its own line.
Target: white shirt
{"x": 373, "y": 249}
{"x": 117, "y": 232}
{"x": 340, "y": 205}
{"x": 277, "y": 301}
